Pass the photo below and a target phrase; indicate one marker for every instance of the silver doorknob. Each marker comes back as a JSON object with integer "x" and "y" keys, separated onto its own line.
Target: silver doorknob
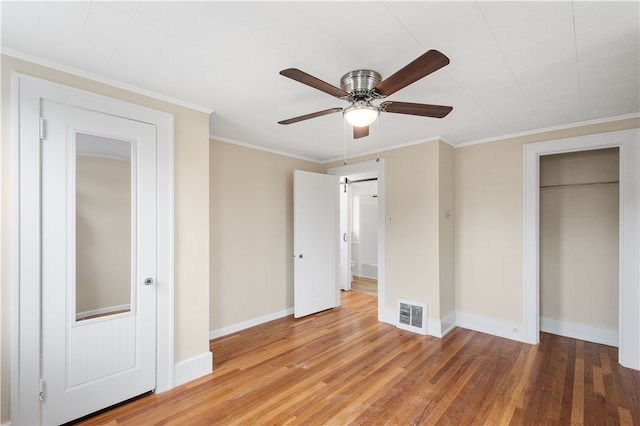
{"x": 148, "y": 281}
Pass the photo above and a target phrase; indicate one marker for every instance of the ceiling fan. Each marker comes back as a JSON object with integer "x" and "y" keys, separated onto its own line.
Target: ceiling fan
{"x": 361, "y": 87}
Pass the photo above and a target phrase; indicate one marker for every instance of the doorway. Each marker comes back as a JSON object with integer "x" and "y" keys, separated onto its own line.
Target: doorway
{"x": 35, "y": 266}
{"x": 365, "y": 196}
{"x": 629, "y": 235}
{"x": 579, "y": 239}
{"x": 359, "y": 231}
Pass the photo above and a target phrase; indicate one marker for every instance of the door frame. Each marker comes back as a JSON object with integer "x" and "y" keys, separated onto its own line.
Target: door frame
{"x": 27, "y": 93}
{"x": 629, "y": 231}
{"x": 377, "y": 166}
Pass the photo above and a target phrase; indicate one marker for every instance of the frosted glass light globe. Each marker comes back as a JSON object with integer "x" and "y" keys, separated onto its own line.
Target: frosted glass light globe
{"x": 361, "y": 114}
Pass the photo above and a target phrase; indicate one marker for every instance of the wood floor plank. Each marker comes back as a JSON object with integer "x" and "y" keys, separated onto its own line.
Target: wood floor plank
{"x": 342, "y": 366}
{"x": 577, "y": 407}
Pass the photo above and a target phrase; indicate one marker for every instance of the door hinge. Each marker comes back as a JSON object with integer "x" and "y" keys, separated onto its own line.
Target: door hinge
{"x": 41, "y": 390}
{"x": 42, "y": 124}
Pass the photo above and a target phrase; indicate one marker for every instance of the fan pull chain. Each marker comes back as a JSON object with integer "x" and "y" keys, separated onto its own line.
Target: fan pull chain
{"x": 344, "y": 142}
{"x": 378, "y": 140}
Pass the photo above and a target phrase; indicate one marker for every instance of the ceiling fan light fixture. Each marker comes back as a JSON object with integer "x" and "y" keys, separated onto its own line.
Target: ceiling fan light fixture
{"x": 360, "y": 113}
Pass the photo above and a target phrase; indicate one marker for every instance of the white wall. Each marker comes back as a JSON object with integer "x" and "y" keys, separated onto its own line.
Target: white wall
{"x": 365, "y": 229}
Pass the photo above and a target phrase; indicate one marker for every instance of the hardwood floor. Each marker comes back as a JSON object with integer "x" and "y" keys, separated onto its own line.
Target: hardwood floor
{"x": 344, "y": 367}
{"x": 365, "y": 285}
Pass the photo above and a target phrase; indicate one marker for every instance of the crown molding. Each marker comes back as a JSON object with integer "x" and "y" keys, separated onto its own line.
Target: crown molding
{"x": 261, "y": 148}
{"x": 100, "y": 79}
{"x": 549, "y": 129}
{"x": 391, "y": 148}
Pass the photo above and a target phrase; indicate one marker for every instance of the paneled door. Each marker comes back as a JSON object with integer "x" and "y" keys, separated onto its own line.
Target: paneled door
{"x": 315, "y": 242}
{"x": 99, "y": 261}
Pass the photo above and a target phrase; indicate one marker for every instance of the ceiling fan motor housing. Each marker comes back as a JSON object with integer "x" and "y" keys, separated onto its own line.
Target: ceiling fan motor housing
{"x": 360, "y": 84}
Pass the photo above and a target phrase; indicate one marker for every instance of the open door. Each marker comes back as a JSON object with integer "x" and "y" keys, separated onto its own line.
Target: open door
{"x": 315, "y": 242}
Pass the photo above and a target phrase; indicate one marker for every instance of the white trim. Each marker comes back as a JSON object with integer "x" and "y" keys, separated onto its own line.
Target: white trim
{"x": 378, "y": 167}
{"x": 434, "y": 328}
{"x": 386, "y": 315}
{"x": 299, "y": 157}
{"x": 493, "y": 326}
{"x": 25, "y": 327}
{"x": 194, "y": 368}
{"x": 574, "y": 330}
{"x": 548, "y": 129}
{"x": 15, "y": 246}
{"x": 224, "y": 331}
{"x": 448, "y": 323}
{"x": 262, "y": 148}
{"x": 165, "y": 320}
{"x": 629, "y": 294}
{"x": 101, "y": 79}
{"x": 391, "y": 148}
{"x": 447, "y": 141}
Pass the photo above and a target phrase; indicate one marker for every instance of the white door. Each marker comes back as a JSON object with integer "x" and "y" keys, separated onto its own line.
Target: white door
{"x": 345, "y": 240}
{"x": 98, "y": 261}
{"x": 315, "y": 242}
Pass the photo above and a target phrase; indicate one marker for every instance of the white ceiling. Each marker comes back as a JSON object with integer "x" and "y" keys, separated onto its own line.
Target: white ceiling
{"x": 515, "y": 66}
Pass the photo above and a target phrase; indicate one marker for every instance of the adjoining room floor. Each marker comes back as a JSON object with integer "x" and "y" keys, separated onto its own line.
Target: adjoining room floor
{"x": 365, "y": 285}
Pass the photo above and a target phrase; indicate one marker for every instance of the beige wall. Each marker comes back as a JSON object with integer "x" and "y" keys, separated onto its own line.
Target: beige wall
{"x": 419, "y": 251}
{"x": 446, "y": 211}
{"x": 191, "y": 170}
{"x": 411, "y": 197}
{"x": 251, "y": 233}
{"x": 488, "y": 225}
{"x": 103, "y": 233}
{"x": 579, "y": 210}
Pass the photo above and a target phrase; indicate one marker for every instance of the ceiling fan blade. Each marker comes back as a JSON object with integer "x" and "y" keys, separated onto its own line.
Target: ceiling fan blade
{"x": 425, "y": 110}
{"x": 422, "y": 66}
{"x": 360, "y": 132}
{"x": 312, "y": 115}
{"x": 316, "y": 83}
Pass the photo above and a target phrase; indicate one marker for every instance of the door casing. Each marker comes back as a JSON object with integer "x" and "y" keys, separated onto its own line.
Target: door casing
{"x": 378, "y": 167}
{"x": 27, "y": 92}
{"x": 629, "y": 279}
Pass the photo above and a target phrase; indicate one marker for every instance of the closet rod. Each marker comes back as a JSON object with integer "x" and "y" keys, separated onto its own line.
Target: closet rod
{"x": 579, "y": 184}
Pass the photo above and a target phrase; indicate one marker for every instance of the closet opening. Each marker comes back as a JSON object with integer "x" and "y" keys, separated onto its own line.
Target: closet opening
{"x": 579, "y": 244}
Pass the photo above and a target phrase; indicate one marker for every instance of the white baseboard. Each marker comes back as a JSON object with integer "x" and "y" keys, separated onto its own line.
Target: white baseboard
{"x": 193, "y": 368}
{"x": 440, "y": 328}
{"x": 435, "y": 328}
{"x": 491, "y": 326}
{"x": 510, "y": 330}
{"x": 248, "y": 324}
{"x": 448, "y": 323}
{"x": 388, "y": 316}
{"x": 369, "y": 271}
{"x": 589, "y": 333}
